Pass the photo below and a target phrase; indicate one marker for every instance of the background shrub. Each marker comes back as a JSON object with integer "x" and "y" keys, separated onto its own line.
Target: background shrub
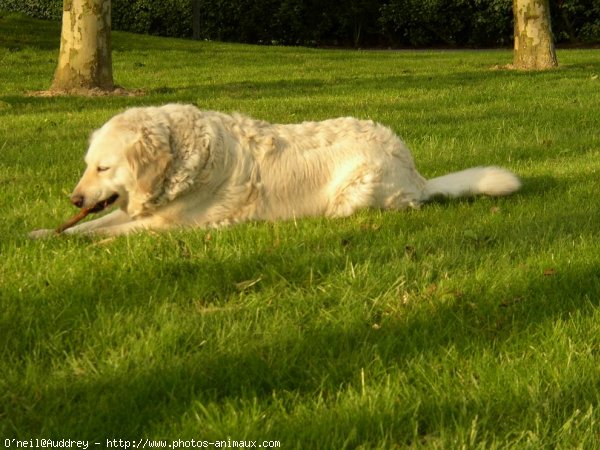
{"x": 44, "y": 9}
{"x": 455, "y": 23}
{"x": 158, "y": 17}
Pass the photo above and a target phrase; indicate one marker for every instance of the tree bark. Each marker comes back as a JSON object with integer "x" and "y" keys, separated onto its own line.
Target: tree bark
{"x": 85, "y": 58}
{"x": 534, "y": 46}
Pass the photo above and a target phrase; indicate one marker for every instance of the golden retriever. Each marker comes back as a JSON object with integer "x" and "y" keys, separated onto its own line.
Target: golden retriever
{"x": 175, "y": 165}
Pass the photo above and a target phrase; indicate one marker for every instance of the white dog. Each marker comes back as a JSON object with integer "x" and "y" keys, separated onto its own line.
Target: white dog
{"x": 175, "y": 166}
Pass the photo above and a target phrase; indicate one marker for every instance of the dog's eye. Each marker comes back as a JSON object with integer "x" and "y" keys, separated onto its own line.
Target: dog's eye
{"x": 102, "y": 168}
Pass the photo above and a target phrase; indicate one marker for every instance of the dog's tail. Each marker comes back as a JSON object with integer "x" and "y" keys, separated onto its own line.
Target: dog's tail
{"x": 493, "y": 181}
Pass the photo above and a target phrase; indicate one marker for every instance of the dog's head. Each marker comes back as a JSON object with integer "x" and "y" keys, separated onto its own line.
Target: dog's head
{"x": 127, "y": 162}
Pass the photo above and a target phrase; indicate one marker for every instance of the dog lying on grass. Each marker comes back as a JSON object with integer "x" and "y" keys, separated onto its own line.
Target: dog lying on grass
{"x": 174, "y": 166}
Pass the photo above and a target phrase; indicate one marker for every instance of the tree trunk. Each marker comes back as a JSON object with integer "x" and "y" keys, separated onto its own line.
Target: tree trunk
{"x": 85, "y": 60}
{"x": 534, "y": 46}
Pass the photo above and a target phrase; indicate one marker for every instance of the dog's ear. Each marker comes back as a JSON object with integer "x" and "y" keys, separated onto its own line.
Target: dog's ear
{"x": 150, "y": 157}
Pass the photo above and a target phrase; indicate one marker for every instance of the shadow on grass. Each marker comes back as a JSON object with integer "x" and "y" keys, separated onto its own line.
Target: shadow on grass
{"x": 130, "y": 402}
{"x": 316, "y": 358}
{"x": 20, "y": 31}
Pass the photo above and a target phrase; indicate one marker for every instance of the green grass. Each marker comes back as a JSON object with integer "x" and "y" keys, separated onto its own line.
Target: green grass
{"x": 466, "y": 324}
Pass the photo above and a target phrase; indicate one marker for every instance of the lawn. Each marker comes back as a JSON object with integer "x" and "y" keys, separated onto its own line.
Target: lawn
{"x": 465, "y": 324}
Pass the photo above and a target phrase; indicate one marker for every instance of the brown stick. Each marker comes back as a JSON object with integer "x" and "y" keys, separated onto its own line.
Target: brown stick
{"x": 73, "y": 220}
{"x": 100, "y": 206}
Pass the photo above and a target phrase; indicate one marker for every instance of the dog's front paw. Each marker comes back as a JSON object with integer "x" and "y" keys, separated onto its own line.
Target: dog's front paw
{"x": 42, "y": 234}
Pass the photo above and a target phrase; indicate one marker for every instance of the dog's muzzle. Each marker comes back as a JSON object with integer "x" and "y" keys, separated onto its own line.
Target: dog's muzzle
{"x": 79, "y": 201}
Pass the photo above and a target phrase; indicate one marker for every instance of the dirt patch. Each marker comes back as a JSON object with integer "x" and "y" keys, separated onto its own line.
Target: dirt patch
{"x": 87, "y": 92}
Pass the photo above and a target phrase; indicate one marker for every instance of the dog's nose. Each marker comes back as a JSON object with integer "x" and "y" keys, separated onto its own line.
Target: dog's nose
{"x": 77, "y": 200}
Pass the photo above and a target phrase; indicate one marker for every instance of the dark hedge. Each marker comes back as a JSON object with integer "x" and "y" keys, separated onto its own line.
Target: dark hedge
{"x": 399, "y": 23}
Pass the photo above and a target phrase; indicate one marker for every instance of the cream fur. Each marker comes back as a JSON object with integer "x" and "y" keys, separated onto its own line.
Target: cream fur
{"x": 175, "y": 165}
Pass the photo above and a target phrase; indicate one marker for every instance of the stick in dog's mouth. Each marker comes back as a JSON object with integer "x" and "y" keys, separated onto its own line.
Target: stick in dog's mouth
{"x": 85, "y": 211}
